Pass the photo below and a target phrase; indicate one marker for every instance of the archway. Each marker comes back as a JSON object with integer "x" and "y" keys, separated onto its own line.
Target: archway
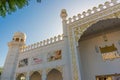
{"x": 99, "y": 49}
{"x": 21, "y": 77}
{"x": 36, "y": 76}
{"x": 54, "y": 75}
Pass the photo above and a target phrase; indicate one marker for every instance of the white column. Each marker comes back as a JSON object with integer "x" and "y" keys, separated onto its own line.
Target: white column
{"x": 44, "y": 77}
{"x": 15, "y": 76}
{"x": 76, "y": 55}
{"x": 66, "y": 54}
{"x": 27, "y": 76}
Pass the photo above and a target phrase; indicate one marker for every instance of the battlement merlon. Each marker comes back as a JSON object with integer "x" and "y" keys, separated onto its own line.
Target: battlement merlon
{"x": 91, "y": 12}
{"x": 42, "y": 43}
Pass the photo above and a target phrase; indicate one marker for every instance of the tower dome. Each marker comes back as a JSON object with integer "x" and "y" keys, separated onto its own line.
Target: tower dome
{"x": 19, "y": 37}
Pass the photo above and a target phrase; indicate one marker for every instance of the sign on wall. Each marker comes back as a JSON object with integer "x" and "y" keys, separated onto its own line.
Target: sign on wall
{"x": 55, "y": 55}
{"x": 37, "y": 60}
{"x": 23, "y": 62}
{"x": 109, "y": 52}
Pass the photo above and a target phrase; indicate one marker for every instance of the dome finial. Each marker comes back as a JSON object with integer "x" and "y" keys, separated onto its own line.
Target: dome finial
{"x": 63, "y": 14}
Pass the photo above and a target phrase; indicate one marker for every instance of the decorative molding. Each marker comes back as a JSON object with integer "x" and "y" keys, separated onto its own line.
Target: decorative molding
{"x": 80, "y": 23}
{"x": 79, "y": 29}
{"x": 59, "y": 68}
{"x": 24, "y": 73}
{"x": 74, "y": 62}
{"x": 41, "y": 43}
{"x": 39, "y": 71}
{"x": 102, "y": 9}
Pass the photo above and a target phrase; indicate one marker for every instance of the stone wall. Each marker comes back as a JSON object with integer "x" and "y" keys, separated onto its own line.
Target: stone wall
{"x": 43, "y": 57}
{"x": 91, "y": 58}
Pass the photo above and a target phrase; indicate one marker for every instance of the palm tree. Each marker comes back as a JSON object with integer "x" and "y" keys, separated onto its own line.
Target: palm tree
{"x": 9, "y": 6}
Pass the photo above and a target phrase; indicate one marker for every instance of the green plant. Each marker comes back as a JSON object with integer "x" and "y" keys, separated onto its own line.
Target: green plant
{"x": 9, "y": 6}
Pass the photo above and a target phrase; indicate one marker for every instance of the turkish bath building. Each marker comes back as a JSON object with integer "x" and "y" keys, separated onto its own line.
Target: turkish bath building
{"x": 88, "y": 49}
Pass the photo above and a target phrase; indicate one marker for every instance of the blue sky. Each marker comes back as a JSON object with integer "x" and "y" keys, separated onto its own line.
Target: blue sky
{"x": 39, "y": 20}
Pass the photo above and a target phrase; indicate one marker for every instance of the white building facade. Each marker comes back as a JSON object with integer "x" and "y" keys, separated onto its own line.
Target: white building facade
{"x": 89, "y": 49}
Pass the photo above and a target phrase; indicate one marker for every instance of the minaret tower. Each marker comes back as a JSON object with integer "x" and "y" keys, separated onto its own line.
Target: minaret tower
{"x": 12, "y": 56}
{"x": 67, "y": 68}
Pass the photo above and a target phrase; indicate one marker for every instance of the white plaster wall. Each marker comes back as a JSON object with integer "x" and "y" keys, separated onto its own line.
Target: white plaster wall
{"x": 43, "y": 51}
{"x": 92, "y": 62}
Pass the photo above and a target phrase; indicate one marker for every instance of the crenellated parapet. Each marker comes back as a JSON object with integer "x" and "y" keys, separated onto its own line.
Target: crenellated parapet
{"x": 91, "y": 12}
{"x": 108, "y": 10}
{"x": 42, "y": 43}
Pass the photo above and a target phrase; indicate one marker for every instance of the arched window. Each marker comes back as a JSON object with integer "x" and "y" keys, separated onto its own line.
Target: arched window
{"x": 21, "y": 77}
{"x": 36, "y": 76}
{"x": 54, "y": 74}
{"x": 17, "y": 39}
{"x": 22, "y": 40}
